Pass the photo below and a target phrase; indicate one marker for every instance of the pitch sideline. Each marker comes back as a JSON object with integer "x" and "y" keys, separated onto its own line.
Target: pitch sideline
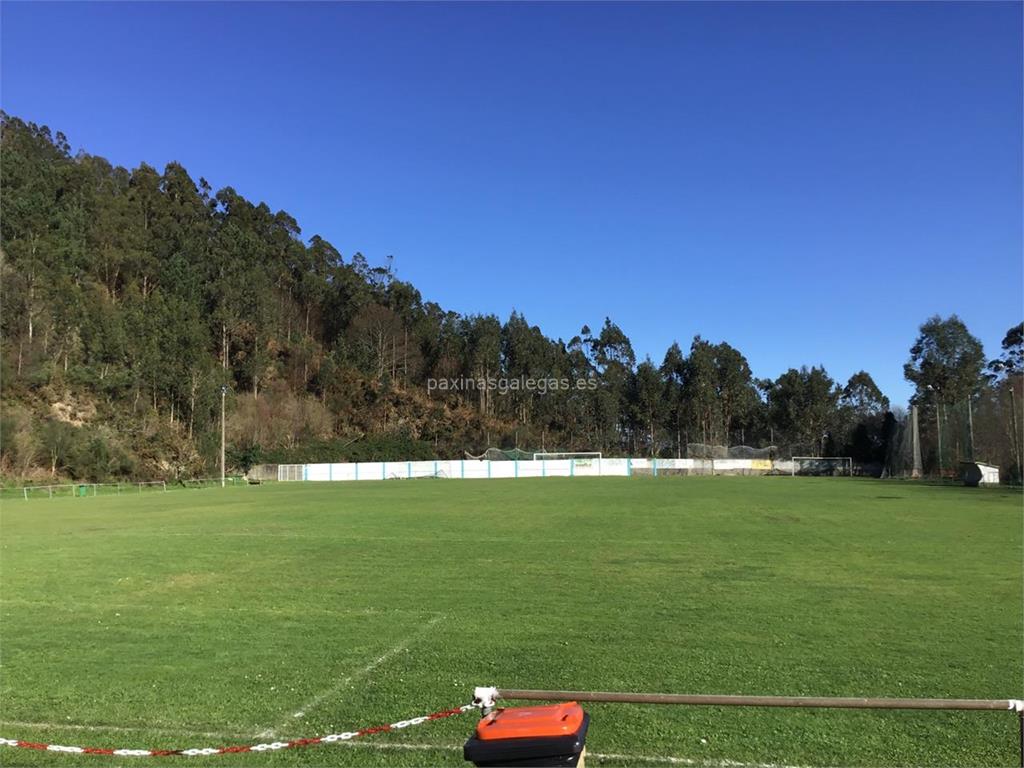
{"x": 406, "y": 746}
{"x": 320, "y": 698}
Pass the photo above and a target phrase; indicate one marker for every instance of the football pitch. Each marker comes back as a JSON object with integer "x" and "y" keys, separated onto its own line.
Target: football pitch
{"x": 205, "y": 618}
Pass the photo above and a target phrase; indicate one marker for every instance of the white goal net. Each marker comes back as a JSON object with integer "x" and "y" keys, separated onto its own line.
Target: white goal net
{"x": 585, "y": 456}
{"x": 822, "y": 466}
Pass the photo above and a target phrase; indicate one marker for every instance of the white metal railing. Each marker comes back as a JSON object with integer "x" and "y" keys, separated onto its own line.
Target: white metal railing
{"x": 69, "y": 490}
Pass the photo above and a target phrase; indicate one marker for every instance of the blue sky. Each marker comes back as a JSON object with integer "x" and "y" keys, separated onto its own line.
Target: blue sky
{"x": 806, "y": 181}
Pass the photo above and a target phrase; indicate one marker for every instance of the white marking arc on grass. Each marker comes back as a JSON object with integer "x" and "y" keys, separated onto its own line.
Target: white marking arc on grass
{"x": 323, "y": 696}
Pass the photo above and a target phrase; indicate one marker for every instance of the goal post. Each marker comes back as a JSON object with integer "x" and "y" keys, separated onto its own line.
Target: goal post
{"x": 822, "y": 466}
{"x": 291, "y": 472}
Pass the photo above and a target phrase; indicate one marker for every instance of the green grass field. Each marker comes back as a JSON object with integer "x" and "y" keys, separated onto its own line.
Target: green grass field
{"x": 209, "y": 617}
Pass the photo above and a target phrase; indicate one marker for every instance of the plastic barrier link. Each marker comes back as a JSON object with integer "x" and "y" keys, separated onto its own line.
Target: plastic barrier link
{"x": 269, "y": 747}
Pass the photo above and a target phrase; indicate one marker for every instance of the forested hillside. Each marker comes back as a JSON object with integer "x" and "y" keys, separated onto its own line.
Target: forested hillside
{"x": 131, "y": 296}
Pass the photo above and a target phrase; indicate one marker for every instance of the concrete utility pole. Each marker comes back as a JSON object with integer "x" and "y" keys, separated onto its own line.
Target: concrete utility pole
{"x": 915, "y": 436}
{"x": 223, "y": 432}
{"x": 1016, "y": 433}
{"x": 970, "y": 426}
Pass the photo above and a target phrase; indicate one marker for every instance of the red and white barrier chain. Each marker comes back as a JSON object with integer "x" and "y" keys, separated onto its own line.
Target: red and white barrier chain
{"x": 270, "y": 747}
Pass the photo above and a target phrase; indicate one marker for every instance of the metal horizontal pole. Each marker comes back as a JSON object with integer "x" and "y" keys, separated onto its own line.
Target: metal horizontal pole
{"x": 758, "y": 701}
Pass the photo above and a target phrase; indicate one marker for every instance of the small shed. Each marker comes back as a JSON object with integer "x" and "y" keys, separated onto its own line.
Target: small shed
{"x": 976, "y": 473}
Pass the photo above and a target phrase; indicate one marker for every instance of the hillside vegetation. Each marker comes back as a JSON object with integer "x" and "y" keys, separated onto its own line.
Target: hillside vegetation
{"x": 131, "y": 296}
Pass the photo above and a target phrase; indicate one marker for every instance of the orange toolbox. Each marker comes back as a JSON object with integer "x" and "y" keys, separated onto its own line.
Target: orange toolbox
{"x": 553, "y": 735}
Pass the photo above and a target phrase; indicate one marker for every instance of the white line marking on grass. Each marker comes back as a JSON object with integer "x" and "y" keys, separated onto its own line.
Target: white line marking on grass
{"x": 320, "y": 698}
{"x": 396, "y": 539}
{"x": 248, "y": 609}
{"x": 399, "y": 745}
{"x": 633, "y": 759}
{"x": 657, "y": 759}
{"x": 651, "y": 759}
{"x": 125, "y": 729}
{"x": 670, "y": 760}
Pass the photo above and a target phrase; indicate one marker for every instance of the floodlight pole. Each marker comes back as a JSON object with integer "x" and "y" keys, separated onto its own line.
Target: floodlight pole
{"x": 938, "y": 426}
{"x": 223, "y": 432}
{"x": 1020, "y": 466}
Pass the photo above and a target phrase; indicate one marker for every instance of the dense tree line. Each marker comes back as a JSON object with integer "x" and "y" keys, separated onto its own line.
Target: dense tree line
{"x": 131, "y": 297}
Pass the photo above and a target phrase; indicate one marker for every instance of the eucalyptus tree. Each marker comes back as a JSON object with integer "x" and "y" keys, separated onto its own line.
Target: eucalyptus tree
{"x": 613, "y": 359}
{"x": 673, "y": 375}
{"x": 945, "y": 368}
{"x": 735, "y": 390}
{"x": 647, "y": 407}
{"x": 945, "y": 361}
{"x": 803, "y": 407}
